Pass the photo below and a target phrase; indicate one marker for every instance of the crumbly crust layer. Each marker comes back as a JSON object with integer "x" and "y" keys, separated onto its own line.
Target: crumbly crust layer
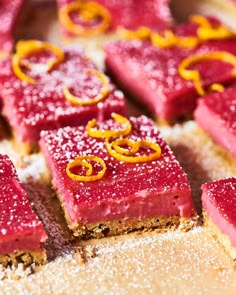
{"x": 219, "y": 235}
{"x": 24, "y": 147}
{"x": 118, "y": 227}
{"x": 25, "y": 257}
{"x": 127, "y": 225}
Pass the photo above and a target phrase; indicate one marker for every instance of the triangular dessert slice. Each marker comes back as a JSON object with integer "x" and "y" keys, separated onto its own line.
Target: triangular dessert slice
{"x": 9, "y": 13}
{"x": 45, "y": 87}
{"x": 216, "y": 114}
{"x": 21, "y": 232}
{"x": 168, "y": 71}
{"x": 81, "y": 18}
{"x": 219, "y": 210}
{"x": 119, "y": 180}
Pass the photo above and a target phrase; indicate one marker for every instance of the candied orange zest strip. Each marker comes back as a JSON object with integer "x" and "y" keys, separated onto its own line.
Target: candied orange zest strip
{"x": 141, "y": 33}
{"x": 194, "y": 75}
{"x": 169, "y": 39}
{"x": 127, "y": 127}
{"x": 85, "y": 161}
{"x": 25, "y": 48}
{"x": 209, "y": 31}
{"x": 217, "y": 87}
{"x": 88, "y": 11}
{"x": 89, "y": 101}
{"x": 116, "y": 150}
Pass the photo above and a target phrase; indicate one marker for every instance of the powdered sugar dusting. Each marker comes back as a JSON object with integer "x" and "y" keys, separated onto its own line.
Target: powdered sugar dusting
{"x": 145, "y": 263}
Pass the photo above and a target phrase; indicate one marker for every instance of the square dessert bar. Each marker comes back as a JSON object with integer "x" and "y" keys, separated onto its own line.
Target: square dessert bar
{"x": 216, "y": 114}
{"x": 100, "y": 16}
{"x": 129, "y": 195}
{"x": 219, "y": 210}
{"x": 71, "y": 93}
{"x": 159, "y": 71}
{"x": 21, "y": 232}
{"x": 9, "y": 14}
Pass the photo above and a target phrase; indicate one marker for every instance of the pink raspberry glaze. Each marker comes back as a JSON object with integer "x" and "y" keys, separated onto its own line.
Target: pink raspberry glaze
{"x": 31, "y": 108}
{"x": 9, "y": 12}
{"x": 20, "y": 229}
{"x": 219, "y": 202}
{"x": 132, "y": 14}
{"x": 127, "y": 190}
{"x": 151, "y": 73}
{"x": 216, "y": 114}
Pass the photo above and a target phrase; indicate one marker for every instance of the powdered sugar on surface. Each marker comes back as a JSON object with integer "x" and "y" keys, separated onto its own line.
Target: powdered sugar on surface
{"x": 141, "y": 263}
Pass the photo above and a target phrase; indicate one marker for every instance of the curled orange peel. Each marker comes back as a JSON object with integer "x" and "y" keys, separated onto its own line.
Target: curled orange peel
{"x": 93, "y": 132}
{"x": 87, "y": 11}
{"x": 216, "y": 87}
{"x": 89, "y": 101}
{"x": 141, "y": 33}
{"x": 29, "y": 47}
{"x": 195, "y": 76}
{"x": 208, "y": 31}
{"x": 85, "y": 161}
{"x": 169, "y": 39}
{"x": 116, "y": 150}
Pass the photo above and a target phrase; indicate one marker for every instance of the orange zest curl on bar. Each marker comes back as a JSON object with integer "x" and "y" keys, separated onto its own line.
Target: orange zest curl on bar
{"x": 116, "y": 150}
{"x": 27, "y": 48}
{"x": 141, "y": 33}
{"x": 169, "y": 39}
{"x": 89, "y": 101}
{"x": 85, "y": 161}
{"x": 194, "y": 75}
{"x": 109, "y": 133}
{"x": 87, "y": 11}
{"x": 208, "y": 31}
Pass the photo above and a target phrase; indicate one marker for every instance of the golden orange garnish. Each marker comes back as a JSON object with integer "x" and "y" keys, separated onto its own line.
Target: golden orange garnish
{"x": 116, "y": 149}
{"x": 85, "y": 161}
{"x": 88, "y": 11}
{"x": 141, "y": 33}
{"x": 217, "y": 87}
{"x": 169, "y": 39}
{"x": 93, "y": 132}
{"x": 89, "y": 101}
{"x": 194, "y": 75}
{"x": 209, "y": 31}
{"x": 28, "y": 48}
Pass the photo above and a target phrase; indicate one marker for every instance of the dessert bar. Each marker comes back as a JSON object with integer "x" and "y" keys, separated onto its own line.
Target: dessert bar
{"x": 168, "y": 71}
{"x": 9, "y": 14}
{"x": 83, "y": 18}
{"x": 117, "y": 176}
{"x": 216, "y": 114}
{"x": 45, "y": 87}
{"x": 219, "y": 209}
{"x": 21, "y": 232}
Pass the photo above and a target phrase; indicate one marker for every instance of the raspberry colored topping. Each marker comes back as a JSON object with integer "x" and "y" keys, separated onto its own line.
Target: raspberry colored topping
{"x": 9, "y": 12}
{"x": 216, "y": 114}
{"x": 130, "y": 14}
{"x": 151, "y": 73}
{"x": 20, "y": 229}
{"x": 31, "y": 108}
{"x": 219, "y": 202}
{"x": 125, "y": 187}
